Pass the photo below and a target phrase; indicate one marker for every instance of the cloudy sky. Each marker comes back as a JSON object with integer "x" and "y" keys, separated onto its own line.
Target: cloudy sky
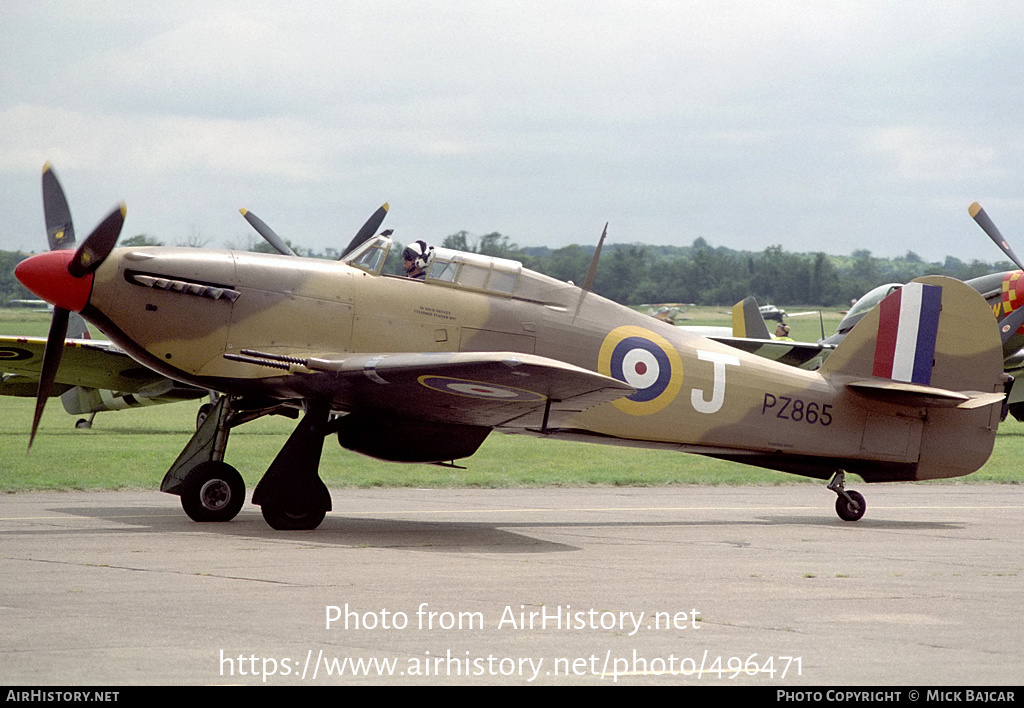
{"x": 814, "y": 126}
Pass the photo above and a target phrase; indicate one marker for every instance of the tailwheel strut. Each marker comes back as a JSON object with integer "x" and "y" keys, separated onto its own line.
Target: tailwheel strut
{"x": 850, "y": 505}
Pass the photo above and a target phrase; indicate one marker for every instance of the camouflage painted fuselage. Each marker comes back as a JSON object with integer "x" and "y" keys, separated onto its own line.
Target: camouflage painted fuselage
{"x": 180, "y": 311}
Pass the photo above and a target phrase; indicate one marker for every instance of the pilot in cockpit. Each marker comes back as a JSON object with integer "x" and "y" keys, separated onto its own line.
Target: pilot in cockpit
{"x": 415, "y": 258}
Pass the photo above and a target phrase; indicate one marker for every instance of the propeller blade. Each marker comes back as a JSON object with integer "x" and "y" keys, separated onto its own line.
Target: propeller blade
{"x": 1009, "y": 325}
{"x": 987, "y": 225}
{"x": 60, "y": 232}
{"x": 267, "y": 233}
{"x": 51, "y": 362}
{"x": 368, "y": 229}
{"x": 95, "y": 249}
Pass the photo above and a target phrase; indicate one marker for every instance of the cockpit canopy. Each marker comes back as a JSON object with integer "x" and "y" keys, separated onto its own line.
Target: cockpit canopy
{"x": 370, "y": 256}
{"x": 474, "y": 271}
{"x": 866, "y": 304}
{"x": 468, "y": 271}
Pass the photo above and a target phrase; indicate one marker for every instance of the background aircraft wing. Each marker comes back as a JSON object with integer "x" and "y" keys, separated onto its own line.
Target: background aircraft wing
{"x": 86, "y": 362}
{"x": 472, "y": 388}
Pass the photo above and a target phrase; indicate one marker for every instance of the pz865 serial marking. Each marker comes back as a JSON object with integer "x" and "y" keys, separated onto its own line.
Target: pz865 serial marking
{"x": 797, "y": 410}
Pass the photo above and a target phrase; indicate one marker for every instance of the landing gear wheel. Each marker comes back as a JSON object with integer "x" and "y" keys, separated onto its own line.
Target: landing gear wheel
{"x": 213, "y": 491}
{"x": 281, "y": 520}
{"x": 851, "y": 509}
{"x": 1016, "y": 410}
{"x": 83, "y": 424}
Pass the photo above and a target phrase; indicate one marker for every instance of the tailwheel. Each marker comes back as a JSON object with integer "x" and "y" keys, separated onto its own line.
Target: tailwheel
{"x": 850, "y": 505}
{"x": 213, "y": 491}
{"x": 282, "y": 519}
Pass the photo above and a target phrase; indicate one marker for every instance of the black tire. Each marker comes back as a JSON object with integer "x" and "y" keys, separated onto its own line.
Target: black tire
{"x": 213, "y": 491}
{"x": 1016, "y": 410}
{"x": 848, "y": 511}
{"x": 282, "y": 520}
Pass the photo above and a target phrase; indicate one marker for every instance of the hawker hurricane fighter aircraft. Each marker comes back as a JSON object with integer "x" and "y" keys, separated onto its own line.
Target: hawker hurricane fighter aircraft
{"x": 423, "y": 370}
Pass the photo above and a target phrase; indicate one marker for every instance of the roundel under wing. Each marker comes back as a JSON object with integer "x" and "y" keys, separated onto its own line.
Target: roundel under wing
{"x": 479, "y": 389}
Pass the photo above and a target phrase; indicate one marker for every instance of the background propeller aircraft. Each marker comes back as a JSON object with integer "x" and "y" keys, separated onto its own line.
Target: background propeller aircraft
{"x": 94, "y": 375}
{"x": 670, "y": 312}
{"x": 424, "y": 370}
{"x": 1004, "y": 293}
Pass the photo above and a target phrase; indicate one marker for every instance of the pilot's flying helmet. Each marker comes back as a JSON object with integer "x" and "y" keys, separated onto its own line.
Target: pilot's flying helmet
{"x": 419, "y": 253}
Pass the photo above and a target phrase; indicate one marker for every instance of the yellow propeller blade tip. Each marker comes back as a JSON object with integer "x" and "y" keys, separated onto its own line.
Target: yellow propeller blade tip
{"x": 974, "y": 209}
{"x": 243, "y": 211}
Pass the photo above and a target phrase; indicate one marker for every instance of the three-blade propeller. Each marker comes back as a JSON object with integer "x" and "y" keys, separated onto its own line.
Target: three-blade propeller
{"x": 60, "y": 234}
{"x": 89, "y": 256}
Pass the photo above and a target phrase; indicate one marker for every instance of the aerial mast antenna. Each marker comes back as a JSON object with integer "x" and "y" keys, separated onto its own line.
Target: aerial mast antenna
{"x": 588, "y": 284}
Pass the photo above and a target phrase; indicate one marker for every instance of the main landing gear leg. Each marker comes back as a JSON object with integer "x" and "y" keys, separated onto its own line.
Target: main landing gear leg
{"x": 210, "y": 489}
{"x": 850, "y": 505}
{"x": 291, "y": 494}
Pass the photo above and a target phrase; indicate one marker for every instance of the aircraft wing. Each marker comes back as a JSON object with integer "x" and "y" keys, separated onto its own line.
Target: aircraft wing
{"x": 86, "y": 362}
{"x": 780, "y": 350}
{"x": 472, "y": 388}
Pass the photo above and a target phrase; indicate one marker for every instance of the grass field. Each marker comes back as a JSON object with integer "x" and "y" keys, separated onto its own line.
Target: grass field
{"x": 133, "y": 449}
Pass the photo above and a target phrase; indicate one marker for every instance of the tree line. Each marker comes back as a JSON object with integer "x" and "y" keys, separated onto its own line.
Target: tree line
{"x": 636, "y": 273}
{"x": 633, "y": 274}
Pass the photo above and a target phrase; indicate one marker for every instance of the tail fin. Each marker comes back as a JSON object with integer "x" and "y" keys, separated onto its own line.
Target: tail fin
{"x": 931, "y": 345}
{"x": 747, "y": 320}
{"x": 935, "y": 332}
